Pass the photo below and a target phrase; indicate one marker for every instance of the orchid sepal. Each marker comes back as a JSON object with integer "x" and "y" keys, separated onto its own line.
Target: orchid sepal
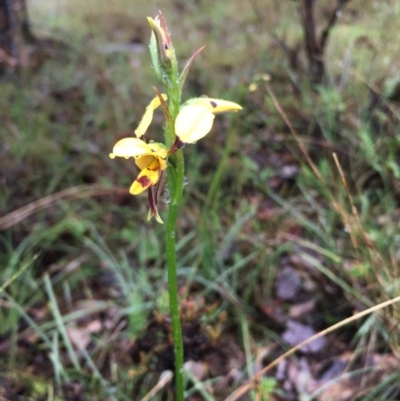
{"x": 148, "y": 114}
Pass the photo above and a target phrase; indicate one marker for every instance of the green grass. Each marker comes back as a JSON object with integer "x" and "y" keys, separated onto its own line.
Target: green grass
{"x": 84, "y": 276}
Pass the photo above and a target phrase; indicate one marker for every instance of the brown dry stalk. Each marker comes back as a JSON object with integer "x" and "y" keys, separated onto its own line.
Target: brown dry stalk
{"x": 354, "y": 211}
{"x": 165, "y": 378}
{"x": 77, "y": 192}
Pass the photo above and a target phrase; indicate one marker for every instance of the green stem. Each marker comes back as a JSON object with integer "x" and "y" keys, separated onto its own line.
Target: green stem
{"x": 175, "y": 186}
{"x": 176, "y": 170}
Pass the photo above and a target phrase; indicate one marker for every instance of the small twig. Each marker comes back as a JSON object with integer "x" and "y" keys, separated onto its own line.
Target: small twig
{"x": 331, "y": 23}
{"x": 165, "y": 378}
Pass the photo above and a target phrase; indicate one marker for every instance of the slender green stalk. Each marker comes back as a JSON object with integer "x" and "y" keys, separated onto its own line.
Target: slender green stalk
{"x": 176, "y": 170}
{"x": 175, "y": 185}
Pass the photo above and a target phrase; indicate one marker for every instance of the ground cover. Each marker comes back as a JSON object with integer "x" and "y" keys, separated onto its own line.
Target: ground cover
{"x": 278, "y": 239}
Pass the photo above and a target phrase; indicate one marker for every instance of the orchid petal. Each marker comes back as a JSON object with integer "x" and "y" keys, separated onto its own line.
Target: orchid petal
{"x": 156, "y": 216}
{"x": 216, "y": 106}
{"x": 131, "y": 147}
{"x": 144, "y": 161}
{"x": 144, "y": 180}
{"x": 148, "y": 115}
{"x": 193, "y": 123}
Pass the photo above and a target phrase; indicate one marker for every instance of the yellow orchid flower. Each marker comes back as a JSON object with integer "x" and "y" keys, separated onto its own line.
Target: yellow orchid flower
{"x": 196, "y": 118}
{"x": 193, "y": 122}
{"x": 148, "y": 115}
{"x": 149, "y": 157}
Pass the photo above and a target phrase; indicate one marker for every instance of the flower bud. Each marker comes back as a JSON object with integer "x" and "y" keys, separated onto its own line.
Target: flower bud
{"x": 163, "y": 40}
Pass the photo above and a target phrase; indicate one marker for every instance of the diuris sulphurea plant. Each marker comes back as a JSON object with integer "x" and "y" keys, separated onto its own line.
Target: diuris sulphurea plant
{"x": 186, "y": 123}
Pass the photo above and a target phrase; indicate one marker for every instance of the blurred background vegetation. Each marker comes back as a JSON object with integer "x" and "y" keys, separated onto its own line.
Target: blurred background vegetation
{"x": 291, "y": 209}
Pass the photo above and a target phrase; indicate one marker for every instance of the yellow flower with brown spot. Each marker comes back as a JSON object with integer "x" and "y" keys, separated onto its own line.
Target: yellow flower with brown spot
{"x": 196, "y": 117}
{"x": 149, "y": 157}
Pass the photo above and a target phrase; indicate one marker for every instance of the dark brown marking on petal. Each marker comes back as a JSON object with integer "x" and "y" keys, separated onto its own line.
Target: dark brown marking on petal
{"x": 166, "y": 46}
{"x": 144, "y": 181}
{"x": 213, "y": 104}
